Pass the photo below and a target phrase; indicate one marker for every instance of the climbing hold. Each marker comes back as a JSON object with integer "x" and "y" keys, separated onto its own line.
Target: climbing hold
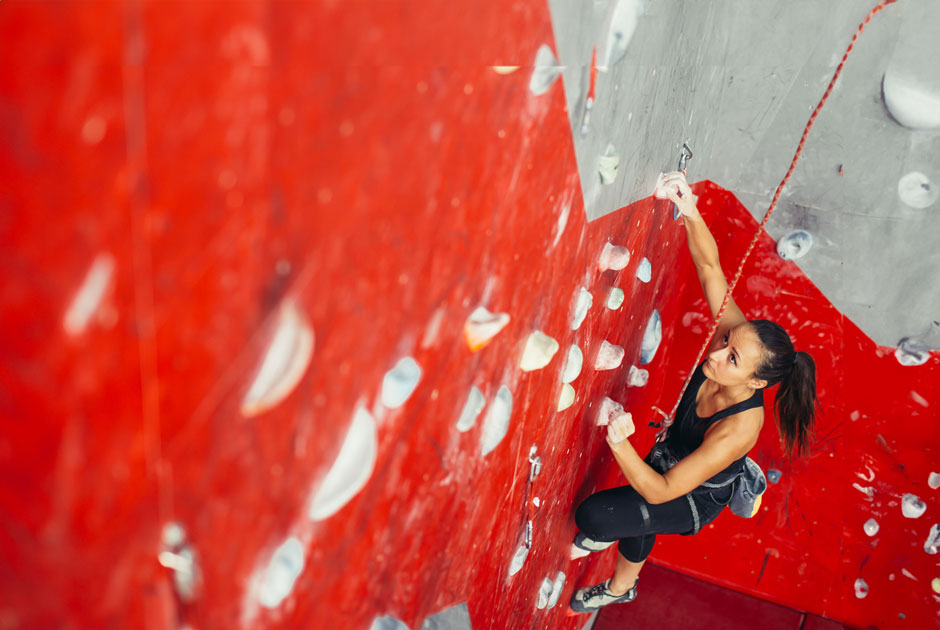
{"x": 909, "y": 103}
{"x": 539, "y": 350}
{"x": 651, "y": 338}
{"x": 482, "y": 326}
{"x": 933, "y": 540}
{"x": 908, "y": 574}
{"x": 518, "y": 559}
{"x": 615, "y": 298}
{"x": 645, "y": 271}
{"x": 545, "y": 72}
{"x": 933, "y": 480}
{"x": 581, "y": 306}
{"x": 871, "y": 527}
{"x": 637, "y": 377}
{"x": 622, "y": 26}
{"x": 351, "y": 470}
{"x": 917, "y": 191}
{"x": 496, "y": 421}
{"x": 607, "y": 165}
{"x": 505, "y": 69}
{"x": 278, "y": 579}
{"x": 861, "y": 588}
{"x": 387, "y": 622}
{"x": 572, "y": 364}
{"x": 566, "y": 398}
{"x": 608, "y": 411}
{"x": 774, "y": 475}
{"x": 400, "y": 382}
{"x": 935, "y": 584}
{"x": 911, "y": 352}
{"x": 576, "y": 552}
{"x": 795, "y": 244}
{"x": 609, "y": 356}
{"x": 545, "y": 591}
{"x": 557, "y": 586}
{"x": 912, "y": 506}
{"x": 284, "y": 363}
{"x": 471, "y": 410}
{"x": 89, "y": 296}
{"x": 614, "y": 257}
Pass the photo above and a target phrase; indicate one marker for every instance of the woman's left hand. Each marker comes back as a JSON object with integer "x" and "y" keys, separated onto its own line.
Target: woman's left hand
{"x": 620, "y": 428}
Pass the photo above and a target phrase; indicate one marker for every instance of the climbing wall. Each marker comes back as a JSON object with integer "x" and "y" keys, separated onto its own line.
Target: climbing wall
{"x": 307, "y": 327}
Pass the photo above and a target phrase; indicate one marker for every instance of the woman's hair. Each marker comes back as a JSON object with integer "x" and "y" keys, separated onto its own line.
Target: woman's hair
{"x": 795, "y": 406}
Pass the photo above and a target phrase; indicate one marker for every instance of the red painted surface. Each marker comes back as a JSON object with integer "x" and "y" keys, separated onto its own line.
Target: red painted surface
{"x": 366, "y": 162}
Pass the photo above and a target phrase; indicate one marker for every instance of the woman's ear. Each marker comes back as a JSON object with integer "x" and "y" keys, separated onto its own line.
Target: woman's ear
{"x": 757, "y": 383}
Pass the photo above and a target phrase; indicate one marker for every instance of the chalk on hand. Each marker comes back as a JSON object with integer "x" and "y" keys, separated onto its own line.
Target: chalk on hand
{"x": 660, "y": 191}
{"x": 608, "y": 410}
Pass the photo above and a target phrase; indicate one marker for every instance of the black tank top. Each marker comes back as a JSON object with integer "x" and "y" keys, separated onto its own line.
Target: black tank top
{"x": 688, "y": 431}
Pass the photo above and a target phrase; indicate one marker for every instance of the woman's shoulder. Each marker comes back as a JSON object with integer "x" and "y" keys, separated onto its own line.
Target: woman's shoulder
{"x": 743, "y": 424}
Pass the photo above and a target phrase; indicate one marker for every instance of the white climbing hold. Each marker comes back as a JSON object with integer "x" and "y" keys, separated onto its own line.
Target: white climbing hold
{"x": 388, "y": 622}
{"x": 545, "y": 591}
{"x": 89, "y": 296}
{"x": 614, "y": 257}
{"x": 518, "y": 559}
{"x": 932, "y": 545}
{"x": 871, "y": 527}
{"x": 582, "y": 304}
{"x": 917, "y": 191}
{"x": 645, "y": 271}
{"x": 576, "y": 552}
{"x": 861, "y": 588}
{"x": 615, "y": 298}
{"x": 794, "y": 244}
{"x": 471, "y": 410}
{"x": 545, "y": 72}
{"x": 637, "y": 377}
{"x": 566, "y": 397}
{"x": 909, "y": 102}
{"x": 277, "y": 581}
{"x": 911, "y": 353}
{"x": 572, "y": 364}
{"x": 609, "y": 409}
{"x": 622, "y": 26}
{"x": 609, "y": 356}
{"x": 935, "y": 584}
{"x": 651, "y": 338}
{"x": 912, "y": 506}
{"x": 538, "y": 352}
{"x": 933, "y": 480}
{"x": 351, "y": 469}
{"x": 608, "y": 164}
{"x": 284, "y": 363}
{"x": 482, "y": 326}
{"x": 400, "y": 382}
{"x": 557, "y": 586}
{"x": 496, "y": 421}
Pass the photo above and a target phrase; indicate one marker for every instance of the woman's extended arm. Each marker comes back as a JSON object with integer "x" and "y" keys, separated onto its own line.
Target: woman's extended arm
{"x": 704, "y": 252}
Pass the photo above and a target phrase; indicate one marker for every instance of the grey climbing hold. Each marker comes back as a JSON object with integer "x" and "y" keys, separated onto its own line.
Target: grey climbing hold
{"x": 795, "y": 244}
{"x": 557, "y": 586}
{"x": 912, "y": 506}
{"x": 911, "y": 352}
{"x": 622, "y": 26}
{"x": 400, "y": 382}
{"x": 546, "y": 70}
{"x": 545, "y": 591}
{"x": 637, "y": 377}
{"x": 645, "y": 271}
{"x": 615, "y": 298}
{"x": 933, "y": 480}
{"x": 453, "y": 618}
{"x": 651, "y": 338}
{"x": 917, "y": 191}
{"x": 871, "y": 527}
{"x": 387, "y": 622}
{"x": 518, "y": 559}
{"x": 932, "y": 545}
{"x": 861, "y": 588}
{"x": 774, "y": 475}
{"x": 286, "y": 565}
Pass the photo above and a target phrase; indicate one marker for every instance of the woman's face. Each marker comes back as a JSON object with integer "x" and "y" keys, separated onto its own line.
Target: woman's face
{"x": 735, "y": 358}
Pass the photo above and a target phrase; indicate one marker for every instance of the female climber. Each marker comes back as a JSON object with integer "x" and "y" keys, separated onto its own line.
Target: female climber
{"x": 683, "y": 484}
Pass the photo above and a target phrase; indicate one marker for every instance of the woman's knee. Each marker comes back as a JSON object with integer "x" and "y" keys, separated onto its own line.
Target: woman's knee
{"x": 589, "y": 517}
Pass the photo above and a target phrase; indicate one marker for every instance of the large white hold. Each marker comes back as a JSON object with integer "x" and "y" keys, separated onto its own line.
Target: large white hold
{"x": 518, "y": 559}
{"x": 400, "y": 382}
{"x": 909, "y": 102}
{"x": 545, "y": 72}
{"x": 351, "y": 470}
{"x": 637, "y": 377}
{"x": 622, "y": 26}
{"x": 285, "y": 361}
{"x": 557, "y": 586}
{"x": 581, "y": 307}
{"x": 608, "y": 411}
{"x": 911, "y": 353}
{"x": 573, "y": 364}
{"x": 481, "y": 326}
{"x": 614, "y": 257}
{"x": 538, "y": 352}
{"x": 277, "y": 581}
{"x": 496, "y": 421}
{"x": 609, "y": 356}
{"x": 651, "y": 338}
{"x": 912, "y": 506}
{"x": 794, "y": 244}
{"x": 566, "y": 397}
{"x": 471, "y": 409}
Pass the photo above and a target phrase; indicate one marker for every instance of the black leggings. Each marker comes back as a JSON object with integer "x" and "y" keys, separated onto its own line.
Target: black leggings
{"x": 622, "y": 514}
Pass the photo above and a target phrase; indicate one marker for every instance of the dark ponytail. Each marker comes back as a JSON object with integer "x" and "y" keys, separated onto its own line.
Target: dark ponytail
{"x": 795, "y": 405}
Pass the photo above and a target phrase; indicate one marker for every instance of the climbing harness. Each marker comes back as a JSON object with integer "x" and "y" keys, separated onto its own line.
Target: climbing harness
{"x": 667, "y": 422}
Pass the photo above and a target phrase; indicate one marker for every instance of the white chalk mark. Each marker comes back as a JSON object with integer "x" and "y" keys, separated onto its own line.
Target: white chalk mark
{"x": 482, "y": 326}
{"x": 867, "y": 478}
{"x": 866, "y": 490}
{"x": 471, "y": 410}
{"x": 400, "y": 382}
{"x": 282, "y": 572}
{"x": 88, "y": 299}
{"x": 496, "y": 421}
{"x": 285, "y": 361}
{"x": 351, "y": 470}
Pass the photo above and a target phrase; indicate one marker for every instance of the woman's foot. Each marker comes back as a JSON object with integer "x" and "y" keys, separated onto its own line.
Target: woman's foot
{"x": 583, "y": 545}
{"x": 591, "y": 598}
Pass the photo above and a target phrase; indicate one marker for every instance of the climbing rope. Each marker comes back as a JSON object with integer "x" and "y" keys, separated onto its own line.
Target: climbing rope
{"x": 668, "y": 420}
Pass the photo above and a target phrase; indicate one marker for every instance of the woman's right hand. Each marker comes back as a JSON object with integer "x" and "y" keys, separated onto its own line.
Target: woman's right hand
{"x": 674, "y": 187}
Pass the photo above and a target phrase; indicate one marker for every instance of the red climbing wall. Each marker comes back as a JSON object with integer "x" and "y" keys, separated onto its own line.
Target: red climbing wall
{"x": 192, "y": 188}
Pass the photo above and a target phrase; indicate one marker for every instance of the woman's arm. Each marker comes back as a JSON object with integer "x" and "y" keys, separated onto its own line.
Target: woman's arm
{"x": 727, "y": 442}
{"x": 704, "y": 252}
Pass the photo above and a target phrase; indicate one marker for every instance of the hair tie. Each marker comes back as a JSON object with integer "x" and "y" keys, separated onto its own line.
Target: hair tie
{"x": 793, "y": 362}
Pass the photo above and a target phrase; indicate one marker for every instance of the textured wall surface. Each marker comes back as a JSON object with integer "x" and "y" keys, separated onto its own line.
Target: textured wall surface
{"x": 240, "y": 246}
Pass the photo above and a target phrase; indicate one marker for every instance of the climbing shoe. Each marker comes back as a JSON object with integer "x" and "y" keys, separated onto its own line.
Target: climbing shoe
{"x": 590, "y": 598}
{"x": 583, "y": 545}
